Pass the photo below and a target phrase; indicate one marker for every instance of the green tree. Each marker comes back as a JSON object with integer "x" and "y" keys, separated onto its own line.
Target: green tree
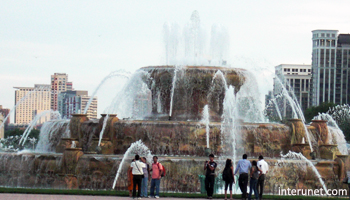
{"x": 313, "y": 111}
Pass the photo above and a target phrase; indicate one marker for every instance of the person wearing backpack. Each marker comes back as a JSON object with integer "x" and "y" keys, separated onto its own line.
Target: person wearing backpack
{"x": 227, "y": 176}
{"x": 254, "y": 175}
{"x": 158, "y": 171}
{"x": 138, "y": 175}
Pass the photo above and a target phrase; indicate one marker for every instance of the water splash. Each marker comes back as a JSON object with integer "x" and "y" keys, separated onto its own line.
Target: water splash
{"x": 34, "y": 123}
{"x": 103, "y": 129}
{"x": 51, "y": 133}
{"x": 74, "y": 145}
{"x": 135, "y": 148}
{"x": 117, "y": 73}
{"x": 176, "y": 71}
{"x": 205, "y": 120}
{"x": 298, "y": 156}
{"x": 335, "y": 134}
{"x": 229, "y": 120}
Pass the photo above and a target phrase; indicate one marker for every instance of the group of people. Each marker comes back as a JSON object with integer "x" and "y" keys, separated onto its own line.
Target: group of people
{"x": 256, "y": 170}
{"x": 140, "y": 174}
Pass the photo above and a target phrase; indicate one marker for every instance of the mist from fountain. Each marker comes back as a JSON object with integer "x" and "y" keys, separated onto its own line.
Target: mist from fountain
{"x": 35, "y": 121}
{"x": 28, "y": 94}
{"x": 124, "y": 101}
{"x": 277, "y": 108}
{"x": 188, "y": 47}
{"x": 117, "y": 73}
{"x": 135, "y": 148}
{"x": 249, "y": 104}
{"x": 206, "y": 120}
{"x": 298, "y": 156}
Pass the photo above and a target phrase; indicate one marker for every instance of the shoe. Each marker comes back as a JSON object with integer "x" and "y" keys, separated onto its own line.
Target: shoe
{"x": 139, "y": 198}
{"x": 150, "y": 197}
{"x": 157, "y": 197}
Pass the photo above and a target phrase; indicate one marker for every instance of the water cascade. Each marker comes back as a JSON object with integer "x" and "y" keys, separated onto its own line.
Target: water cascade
{"x": 206, "y": 121}
{"x": 103, "y": 129}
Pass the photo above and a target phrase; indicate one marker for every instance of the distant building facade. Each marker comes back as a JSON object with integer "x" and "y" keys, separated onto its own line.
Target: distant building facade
{"x": 59, "y": 83}
{"x": 295, "y": 78}
{"x": 330, "y": 67}
{"x": 75, "y": 102}
{"x": 5, "y": 112}
{"x": 32, "y": 101}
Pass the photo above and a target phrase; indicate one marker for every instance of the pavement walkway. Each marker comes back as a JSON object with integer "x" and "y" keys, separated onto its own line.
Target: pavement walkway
{"x": 5, "y": 196}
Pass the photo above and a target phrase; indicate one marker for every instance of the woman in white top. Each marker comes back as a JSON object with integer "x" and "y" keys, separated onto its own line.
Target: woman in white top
{"x": 137, "y": 173}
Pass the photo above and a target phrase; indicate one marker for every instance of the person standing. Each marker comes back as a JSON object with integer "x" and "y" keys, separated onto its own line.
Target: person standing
{"x": 146, "y": 178}
{"x": 137, "y": 173}
{"x": 243, "y": 167}
{"x": 157, "y": 170}
{"x": 227, "y": 176}
{"x": 263, "y": 169}
{"x": 210, "y": 167}
{"x": 254, "y": 175}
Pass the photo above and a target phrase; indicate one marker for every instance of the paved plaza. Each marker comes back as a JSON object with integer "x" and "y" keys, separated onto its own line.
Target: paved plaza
{"x": 5, "y": 196}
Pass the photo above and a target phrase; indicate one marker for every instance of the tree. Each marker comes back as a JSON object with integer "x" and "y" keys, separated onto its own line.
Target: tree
{"x": 313, "y": 111}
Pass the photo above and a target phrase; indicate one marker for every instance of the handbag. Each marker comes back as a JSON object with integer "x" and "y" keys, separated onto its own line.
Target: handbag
{"x": 143, "y": 176}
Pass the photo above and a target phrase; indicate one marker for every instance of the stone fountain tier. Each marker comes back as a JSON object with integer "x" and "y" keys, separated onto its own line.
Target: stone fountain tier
{"x": 194, "y": 88}
{"x": 73, "y": 170}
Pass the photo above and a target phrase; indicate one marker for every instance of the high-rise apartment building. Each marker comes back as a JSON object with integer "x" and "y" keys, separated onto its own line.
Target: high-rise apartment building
{"x": 330, "y": 67}
{"x": 74, "y": 102}
{"x": 2, "y": 128}
{"x": 5, "y": 112}
{"x": 32, "y": 101}
{"x": 59, "y": 83}
{"x": 296, "y": 79}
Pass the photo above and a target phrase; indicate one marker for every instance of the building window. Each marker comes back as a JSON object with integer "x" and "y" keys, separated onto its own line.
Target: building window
{"x": 328, "y": 35}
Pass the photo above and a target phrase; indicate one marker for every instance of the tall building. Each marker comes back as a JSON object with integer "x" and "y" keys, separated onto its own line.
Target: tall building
{"x": 59, "y": 83}
{"x": 330, "y": 67}
{"x": 2, "y": 128}
{"x": 294, "y": 78}
{"x": 74, "y": 102}
{"x": 34, "y": 100}
{"x": 5, "y": 112}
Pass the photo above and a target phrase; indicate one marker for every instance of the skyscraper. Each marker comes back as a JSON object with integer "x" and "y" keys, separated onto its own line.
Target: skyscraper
{"x": 330, "y": 67}
{"x": 59, "y": 83}
{"x": 34, "y": 100}
{"x": 5, "y": 112}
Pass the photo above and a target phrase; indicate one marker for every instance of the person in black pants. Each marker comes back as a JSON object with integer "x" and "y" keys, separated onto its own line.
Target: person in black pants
{"x": 243, "y": 166}
{"x": 210, "y": 167}
{"x": 138, "y": 175}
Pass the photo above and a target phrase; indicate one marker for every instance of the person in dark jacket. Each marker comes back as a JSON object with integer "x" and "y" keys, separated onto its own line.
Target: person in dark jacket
{"x": 254, "y": 175}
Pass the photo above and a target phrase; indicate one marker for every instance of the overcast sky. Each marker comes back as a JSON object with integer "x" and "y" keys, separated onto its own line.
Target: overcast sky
{"x": 89, "y": 39}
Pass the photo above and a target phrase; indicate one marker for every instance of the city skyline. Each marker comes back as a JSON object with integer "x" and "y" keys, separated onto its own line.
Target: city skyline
{"x": 100, "y": 38}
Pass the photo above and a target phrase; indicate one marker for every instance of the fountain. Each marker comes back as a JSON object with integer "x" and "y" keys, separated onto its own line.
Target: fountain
{"x": 161, "y": 111}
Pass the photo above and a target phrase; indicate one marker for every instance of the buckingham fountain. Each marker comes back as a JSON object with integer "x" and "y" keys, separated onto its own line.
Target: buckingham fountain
{"x": 83, "y": 153}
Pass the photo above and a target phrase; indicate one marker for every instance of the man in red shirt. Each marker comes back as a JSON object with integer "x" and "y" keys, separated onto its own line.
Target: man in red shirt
{"x": 157, "y": 170}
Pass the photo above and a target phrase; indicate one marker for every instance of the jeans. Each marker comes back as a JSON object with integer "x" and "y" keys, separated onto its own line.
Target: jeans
{"x": 260, "y": 185}
{"x": 155, "y": 183}
{"x": 137, "y": 179}
{"x": 209, "y": 185}
{"x": 243, "y": 184}
{"x": 144, "y": 185}
{"x": 253, "y": 187}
